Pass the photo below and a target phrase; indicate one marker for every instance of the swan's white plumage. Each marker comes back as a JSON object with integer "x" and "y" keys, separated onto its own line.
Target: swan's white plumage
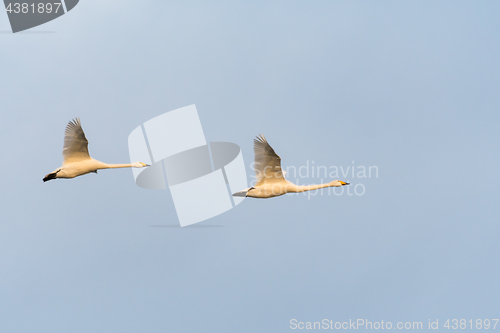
{"x": 75, "y": 143}
{"x": 271, "y": 180}
{"x": 76, "y": 158}
{"x": 267, "y": 162}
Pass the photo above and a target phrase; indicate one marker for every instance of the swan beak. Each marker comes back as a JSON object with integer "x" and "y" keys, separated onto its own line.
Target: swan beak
{"x": 344, "y": 183}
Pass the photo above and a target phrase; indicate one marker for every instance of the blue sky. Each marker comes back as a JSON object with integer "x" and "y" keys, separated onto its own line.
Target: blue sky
{"x": 409, "y": 87}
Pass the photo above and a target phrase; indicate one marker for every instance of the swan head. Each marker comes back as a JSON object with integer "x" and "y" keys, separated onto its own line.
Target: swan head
{"x": 338, "y": 183}
{"x": 139, "y": 165}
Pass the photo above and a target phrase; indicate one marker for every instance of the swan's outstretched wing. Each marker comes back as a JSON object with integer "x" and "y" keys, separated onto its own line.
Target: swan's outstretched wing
{"x": 75, "y": 143}
{"x": 267, "y": 162}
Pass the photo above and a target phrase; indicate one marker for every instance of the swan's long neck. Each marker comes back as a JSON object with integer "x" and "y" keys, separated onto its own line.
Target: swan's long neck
{"x": 98, "y": 165}
{"x": 298, "y": 188}
{"x": 115, "y": 166}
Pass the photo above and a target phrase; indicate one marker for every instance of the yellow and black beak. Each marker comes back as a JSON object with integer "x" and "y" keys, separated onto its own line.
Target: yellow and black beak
{"x": 344, "y": 183}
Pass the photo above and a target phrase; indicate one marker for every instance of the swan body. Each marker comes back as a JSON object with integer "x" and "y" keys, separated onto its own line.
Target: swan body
{"x": 271, "y": 180}
{"x": 76, "y": 158}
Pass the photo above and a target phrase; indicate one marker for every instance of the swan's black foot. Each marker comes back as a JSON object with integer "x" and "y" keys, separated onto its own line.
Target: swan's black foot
{"x": 50, "y": 176}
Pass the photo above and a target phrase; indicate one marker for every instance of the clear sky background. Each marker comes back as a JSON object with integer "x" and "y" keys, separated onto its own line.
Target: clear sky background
{"x": 411, "y": 87}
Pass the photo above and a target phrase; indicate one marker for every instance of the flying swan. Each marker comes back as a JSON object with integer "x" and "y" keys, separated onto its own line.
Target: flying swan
{"x": 271, "y": 180}
{"x": 76, "y": 158}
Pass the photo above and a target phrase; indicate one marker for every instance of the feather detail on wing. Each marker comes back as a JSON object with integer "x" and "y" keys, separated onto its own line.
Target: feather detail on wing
{"x": 75, "y": 143}
{"x": 267, "y": 162}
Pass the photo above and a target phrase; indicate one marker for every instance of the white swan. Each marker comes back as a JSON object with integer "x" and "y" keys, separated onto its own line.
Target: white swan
{"x": 271, "y": 180}
{"x": 76, "y": 158}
